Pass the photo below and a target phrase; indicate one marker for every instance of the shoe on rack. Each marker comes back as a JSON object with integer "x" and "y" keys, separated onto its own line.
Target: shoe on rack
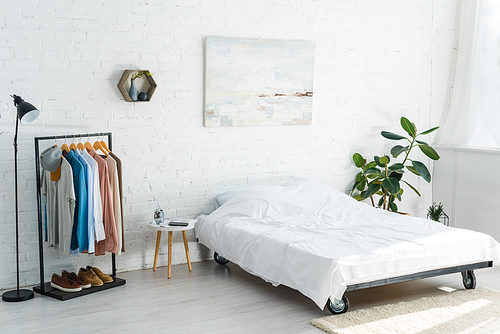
{"x": 65, "y": 284}
{"x": 105, "y": 278}
{"x": 89, "y": 276}
{"x": 74, "y": 277}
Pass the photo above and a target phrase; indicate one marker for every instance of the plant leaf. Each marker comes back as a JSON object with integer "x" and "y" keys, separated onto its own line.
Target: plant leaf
{"x": 412, "y": 187}
{"x": 413, "y": 170}
{"x": 422, "y": 170}
{"x": 421, "y": 142}
{"x": 392, "y": 136}
{"x": 381, "y": 201}
{"x": 429, "y": 131}
{"x": 408, "y": 126}
{"x": 397, "y": 150}
{"x": 371, "y": 164}
{"x": 358, "y": 197}
{"x": 397, "y": 166}
{"x": 362, "y": 185}
{"x": 382, "y": 161}
{"x": 372, "y": 171}
{"x": 391, "y": 185}
{"x": 360, "y": 177}
{"x": 372, "y": 189}
{"x": 429, "y": 151}
{"x": 359, "y": 161}
{"x": 396, "y": 175}
{"x": 394, "y": 207}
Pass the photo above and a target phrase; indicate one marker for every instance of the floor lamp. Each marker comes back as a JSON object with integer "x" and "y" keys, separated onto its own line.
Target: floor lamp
{"x": 26, "y": 113}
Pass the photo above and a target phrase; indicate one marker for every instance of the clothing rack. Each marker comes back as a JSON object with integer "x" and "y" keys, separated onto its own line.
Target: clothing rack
{"x": 45, "y": 288}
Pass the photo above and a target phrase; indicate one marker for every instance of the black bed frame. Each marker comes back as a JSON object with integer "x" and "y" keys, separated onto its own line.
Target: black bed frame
{"x": 341, "y": 306}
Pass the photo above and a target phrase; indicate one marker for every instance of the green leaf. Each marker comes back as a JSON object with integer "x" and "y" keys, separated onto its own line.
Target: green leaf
{"x": 397, "y": 150}
{"x": 421, "y": 142}
{"x": 372, "y": 189}
{"x": 359, "y": 161}
{"x": 422, "y": 170}
{"x": 429, "y": 131}
{"x": 394, "y": 207}
{"x": 372, "y": 171}
{"x": 397, "y": 166}
{"x": 362, "y": 185}
{"x": 358, "y": 197}
{"x": 381, "y": 201}
{"x": 413, "y": 170}
{"x": 391, "y": 185}
{"x": 382, "y": 161}
{"x": 398, "y": 195}
{"x": 429, "y": 151}
{"x": 408, "y": 126}
{"x": 396, "y": 175}
{"x": 354, "y": 187}
{"x": 392, "y": 136}
{"x": 359, "y": 177}
{"x": 371, "y": 164}
{"x": 412, "y": 187}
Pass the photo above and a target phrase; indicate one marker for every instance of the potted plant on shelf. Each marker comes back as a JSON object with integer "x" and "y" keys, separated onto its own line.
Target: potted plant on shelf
{"x": 133, "y": 90}
{"x": 377, "y": 177}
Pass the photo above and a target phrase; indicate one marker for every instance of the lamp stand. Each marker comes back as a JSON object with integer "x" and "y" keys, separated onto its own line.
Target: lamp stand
{"x": 17, "y": 295}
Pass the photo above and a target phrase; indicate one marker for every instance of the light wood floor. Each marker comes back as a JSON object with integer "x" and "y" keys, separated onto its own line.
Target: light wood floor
{"x": 210, "y": 299}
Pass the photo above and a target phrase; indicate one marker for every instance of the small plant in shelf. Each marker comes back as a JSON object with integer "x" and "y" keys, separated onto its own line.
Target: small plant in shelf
{"x": 139, "y": 74}
{"x": 435, "y": 211}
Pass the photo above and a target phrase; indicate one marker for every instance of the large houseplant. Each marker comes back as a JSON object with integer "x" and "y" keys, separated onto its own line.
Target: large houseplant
{"x": 378, "y": 177}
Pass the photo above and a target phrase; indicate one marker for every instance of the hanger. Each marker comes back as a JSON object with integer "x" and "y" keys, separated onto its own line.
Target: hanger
{"x": 97, "y": 146}
{"x": 80, "y": 146}
{"x": 103, "y": 145}
{"x": 87, "y": 144}
{"x": 72, "y": 147}
{"x": 65, "y": 147}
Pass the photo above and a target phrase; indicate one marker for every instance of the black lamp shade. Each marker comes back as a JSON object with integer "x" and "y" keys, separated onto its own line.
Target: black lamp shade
{"x": 26, "y": 112}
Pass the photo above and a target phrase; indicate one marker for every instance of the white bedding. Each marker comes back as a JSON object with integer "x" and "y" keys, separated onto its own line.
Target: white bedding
{"x": 315, "y": 239}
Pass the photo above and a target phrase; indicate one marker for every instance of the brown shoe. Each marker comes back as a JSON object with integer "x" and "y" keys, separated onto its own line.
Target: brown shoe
{"x": 65, "y": 284}
{"x": 74, "y": 277}
{"x": 89, "y": 276}
{"x": 105, "y": 278}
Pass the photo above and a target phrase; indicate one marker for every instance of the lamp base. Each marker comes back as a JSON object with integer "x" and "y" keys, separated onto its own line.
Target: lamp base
{"x": 17, "y": 295}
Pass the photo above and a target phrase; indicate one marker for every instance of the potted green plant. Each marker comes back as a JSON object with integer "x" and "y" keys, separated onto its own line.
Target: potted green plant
{"x": 435, "y": 211}
{"x": 378, "y": 177}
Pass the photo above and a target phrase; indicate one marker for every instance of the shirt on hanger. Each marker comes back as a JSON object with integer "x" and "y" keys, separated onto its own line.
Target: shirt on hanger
{"x": 79, "y": 236}
{"x": 60, "y": 205}
{"x": 89, "y": 181}
{"x": 96, "y": 201}
{"x": 115, "y": 194}
{"x": 120, "y": 187}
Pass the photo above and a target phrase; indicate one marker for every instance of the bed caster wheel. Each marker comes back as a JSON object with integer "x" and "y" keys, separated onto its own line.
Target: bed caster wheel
{"x": 338, "y": 306}
{"x": 219, "y": 259}
{"x": 469, "y": 279}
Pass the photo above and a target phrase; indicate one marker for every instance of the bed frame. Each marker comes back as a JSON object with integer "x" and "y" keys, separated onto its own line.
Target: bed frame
{"x": 336, "y": 306}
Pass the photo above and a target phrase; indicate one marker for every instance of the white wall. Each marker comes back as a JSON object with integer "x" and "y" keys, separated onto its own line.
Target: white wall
{"x": 374, "y": 63}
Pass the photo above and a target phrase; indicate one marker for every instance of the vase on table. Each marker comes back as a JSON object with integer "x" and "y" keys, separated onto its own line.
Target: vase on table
{"x": 132, "y": 92}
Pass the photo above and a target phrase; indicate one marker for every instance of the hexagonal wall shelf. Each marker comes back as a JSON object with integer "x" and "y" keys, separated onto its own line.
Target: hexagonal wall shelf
{"x": 126, "y": 77}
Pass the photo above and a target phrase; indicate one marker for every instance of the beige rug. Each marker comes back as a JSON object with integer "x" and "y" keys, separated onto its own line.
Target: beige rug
{"x": 461, "y": 311}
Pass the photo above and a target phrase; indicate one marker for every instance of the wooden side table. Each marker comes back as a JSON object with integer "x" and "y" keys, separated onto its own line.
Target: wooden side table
{"x": 171, "y": 229}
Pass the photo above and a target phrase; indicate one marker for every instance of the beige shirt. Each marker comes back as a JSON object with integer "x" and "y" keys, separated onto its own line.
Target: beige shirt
{"x": 120, "y": 186}
{"x": 115, "y": 194}
{"x": 60, "y": 202}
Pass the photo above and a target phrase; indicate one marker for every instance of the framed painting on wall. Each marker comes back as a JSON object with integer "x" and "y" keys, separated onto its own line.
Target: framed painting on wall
{"x": 258, "y": 82}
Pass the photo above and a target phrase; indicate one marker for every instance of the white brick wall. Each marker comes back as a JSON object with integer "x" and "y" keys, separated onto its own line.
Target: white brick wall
{"x": 373, "y": 65}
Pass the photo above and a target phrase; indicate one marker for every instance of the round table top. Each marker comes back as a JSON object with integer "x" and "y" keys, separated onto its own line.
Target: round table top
{"x": 165, "y": 227}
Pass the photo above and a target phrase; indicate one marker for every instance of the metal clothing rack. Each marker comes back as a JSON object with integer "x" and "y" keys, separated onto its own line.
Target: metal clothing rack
{"x": 45, "y": 288}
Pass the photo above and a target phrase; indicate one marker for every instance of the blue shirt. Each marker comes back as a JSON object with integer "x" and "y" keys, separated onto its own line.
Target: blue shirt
{"x": 79, "y": 235}
{"x": 89, "y": 181}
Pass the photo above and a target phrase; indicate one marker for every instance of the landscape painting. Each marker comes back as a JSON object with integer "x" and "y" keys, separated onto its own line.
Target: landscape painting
{"x": 258, "y": 82}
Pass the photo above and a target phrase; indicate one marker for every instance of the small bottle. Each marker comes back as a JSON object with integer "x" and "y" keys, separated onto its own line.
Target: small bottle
{"x": 159, "y": 216}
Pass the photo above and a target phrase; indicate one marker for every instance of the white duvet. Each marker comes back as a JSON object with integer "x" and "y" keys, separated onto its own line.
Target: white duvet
{"x": 317, "y": 240}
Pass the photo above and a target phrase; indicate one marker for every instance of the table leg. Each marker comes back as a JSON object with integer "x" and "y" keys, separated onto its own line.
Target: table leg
{"x": 169, "y": 253}
{"x": 158, "y": 238}
{"x": 187, "y": 249}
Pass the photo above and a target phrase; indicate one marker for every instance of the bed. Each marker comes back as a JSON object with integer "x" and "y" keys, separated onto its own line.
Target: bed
{"x": 321, "y": 242}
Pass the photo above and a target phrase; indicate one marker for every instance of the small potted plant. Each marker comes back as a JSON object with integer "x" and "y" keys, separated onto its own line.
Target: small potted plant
{"x": 133, "y": 90}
